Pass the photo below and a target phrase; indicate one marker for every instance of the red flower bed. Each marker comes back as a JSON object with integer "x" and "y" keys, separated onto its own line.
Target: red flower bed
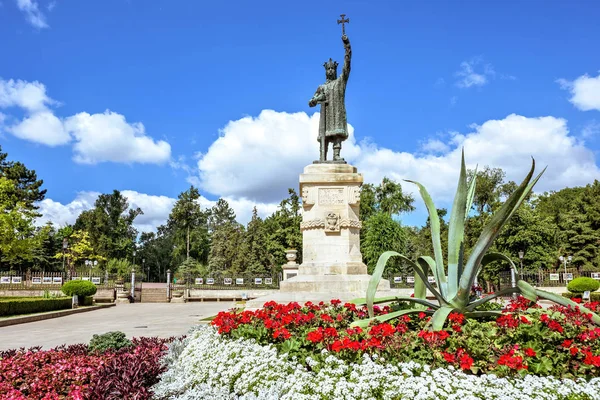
{"x": 525, "y": 338}
{"x": 70, "y": 372}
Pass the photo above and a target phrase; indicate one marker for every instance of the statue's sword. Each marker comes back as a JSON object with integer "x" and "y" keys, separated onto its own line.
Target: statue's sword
{"x": 322, "y": 129}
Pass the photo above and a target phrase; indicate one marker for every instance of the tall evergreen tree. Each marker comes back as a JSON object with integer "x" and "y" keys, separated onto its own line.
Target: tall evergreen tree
{"x": 254, "y": 256}
{"x": 190, "y": 225}
{"x": 26, "y": 188}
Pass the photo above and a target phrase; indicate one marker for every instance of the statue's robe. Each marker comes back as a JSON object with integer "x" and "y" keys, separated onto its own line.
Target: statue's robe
{"x": 333, "y": 121}
{"x": 331, "y": 95}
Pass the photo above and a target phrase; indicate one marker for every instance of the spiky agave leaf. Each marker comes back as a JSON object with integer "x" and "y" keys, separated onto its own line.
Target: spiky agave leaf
{"x": 363, "y": 323}
{"x": 380, "y": 300}
{"x": 434, "y": 222}
{"x": 490, "y": 232}
{"x": 420, "y": 280}
{"x": 456, "y": 230}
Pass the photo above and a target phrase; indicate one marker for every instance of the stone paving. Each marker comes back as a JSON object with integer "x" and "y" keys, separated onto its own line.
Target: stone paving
{"x": 138, "y": 319}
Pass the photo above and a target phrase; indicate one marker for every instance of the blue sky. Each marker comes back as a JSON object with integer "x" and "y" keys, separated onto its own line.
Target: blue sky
{"x": 505, "y": 79}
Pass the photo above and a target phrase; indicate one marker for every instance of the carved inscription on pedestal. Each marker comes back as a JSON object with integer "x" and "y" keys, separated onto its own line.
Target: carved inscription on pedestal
{"x": 331, "y": 196}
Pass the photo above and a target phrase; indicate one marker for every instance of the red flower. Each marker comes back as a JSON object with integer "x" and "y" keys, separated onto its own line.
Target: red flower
{"x": 422, "y": 315}
{"x": 315, "y": 336}
{"x": 449, "y": 357}
{"x": 529, "y": 352}
{"x": 567, "y": 343}
{"x": 574, "y": 350}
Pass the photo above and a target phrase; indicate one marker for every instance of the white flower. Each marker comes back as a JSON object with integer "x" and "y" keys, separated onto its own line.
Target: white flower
{"x": 208, "y": 366}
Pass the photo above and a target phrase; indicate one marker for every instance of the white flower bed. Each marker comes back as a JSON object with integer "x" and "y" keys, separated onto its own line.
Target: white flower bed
{"x": 207, "y": 366}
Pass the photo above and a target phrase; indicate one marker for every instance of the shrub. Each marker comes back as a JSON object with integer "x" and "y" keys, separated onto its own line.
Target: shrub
{"x": 583, "y": 284}
{"x": 80, "y": 289}
{"x": 109, "y": 340}
{"x": 594, "y": 296}
{"x": 29, "y": 305}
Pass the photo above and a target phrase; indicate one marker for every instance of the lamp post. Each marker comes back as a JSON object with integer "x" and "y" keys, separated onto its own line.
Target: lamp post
{"x": 521, "y": 254}
{"x": 89, "y": 264}
{"x": 65, "y": 244}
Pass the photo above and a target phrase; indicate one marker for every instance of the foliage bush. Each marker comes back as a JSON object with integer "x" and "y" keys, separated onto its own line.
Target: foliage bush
{"x": 583, "y": 284}
{"x": 29, "y": 305}
{"x": 72, "y": 372}
{"x": 594, "y": 296}
{"x": 79, "y": 288}
{"x": 109, "y": 341}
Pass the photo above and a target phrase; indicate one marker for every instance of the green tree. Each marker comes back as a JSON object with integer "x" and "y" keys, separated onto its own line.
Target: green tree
{"x": 253, "y": 254}
{"x": 282, "y": 229}
{"x": 110, "y": 225}
{"x": 157, "y": 251}
{"x": 190, "y": 225}
{"x": 227, "y": 235}
{"x": 26, "y": 188}
{"x": 16, "y": 228}
{"x": 387, "y": 197}
{"x": 383, "y": 234}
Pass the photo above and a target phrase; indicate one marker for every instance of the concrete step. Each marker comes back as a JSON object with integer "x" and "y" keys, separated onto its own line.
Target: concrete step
{"x": 154, "y": 295}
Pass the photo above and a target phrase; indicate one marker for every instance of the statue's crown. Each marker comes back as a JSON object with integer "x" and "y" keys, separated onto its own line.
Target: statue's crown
{"x": 330, "y": 64}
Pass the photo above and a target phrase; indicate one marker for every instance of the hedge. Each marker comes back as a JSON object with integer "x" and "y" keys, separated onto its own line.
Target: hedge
{"x": 33, "y": 305}
{"x": 594, "y": 296}
{"x": 583, "y": 284}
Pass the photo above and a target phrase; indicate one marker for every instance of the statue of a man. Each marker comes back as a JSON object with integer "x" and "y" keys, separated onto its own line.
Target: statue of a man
{"x": 333, "y": 127}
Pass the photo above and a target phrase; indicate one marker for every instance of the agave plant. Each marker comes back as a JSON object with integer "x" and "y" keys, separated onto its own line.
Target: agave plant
{"x": 455, "y": 280}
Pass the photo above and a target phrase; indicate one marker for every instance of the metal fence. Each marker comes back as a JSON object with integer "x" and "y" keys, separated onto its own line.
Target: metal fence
{"x": 230, "y": 282}
{"x": 543, "y": 278}
{"x": 54, "y": 280}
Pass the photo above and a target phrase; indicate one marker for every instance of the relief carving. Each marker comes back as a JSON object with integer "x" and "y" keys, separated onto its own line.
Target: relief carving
{"x": 354, "y": 195}
{"x": 329, "y": 196}
{"x": 332, "y": 222}
{"x": 308, "y": 197}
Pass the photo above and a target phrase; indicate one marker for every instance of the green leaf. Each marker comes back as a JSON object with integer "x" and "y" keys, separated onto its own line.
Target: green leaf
{"x": 434, "y": 221}
{"x": 490, "y": 232}
{"x": 376, "y": 278}
{"x": 527, "y": 290}
{"x": 439, "y": 317}
{"x": 471, "y": 194}
{"x": 380, "y": 300}
{"x": 491, "y": 297}
{"x": 363, "y": 323}
{"x": 564, "y": 301}
{"x": 456, "y": 231}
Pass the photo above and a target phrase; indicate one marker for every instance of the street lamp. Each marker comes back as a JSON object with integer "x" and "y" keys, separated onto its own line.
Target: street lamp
{"x": 88, "y": 263}
{"x": 143, "y": 265}
{"x": 565, "y": 260}
{"x": 521, "y": 254}
{"x": 65, "y": 244}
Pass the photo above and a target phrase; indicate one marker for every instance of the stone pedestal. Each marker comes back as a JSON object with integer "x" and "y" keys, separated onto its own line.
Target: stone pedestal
{"x": 332, "y": 264}
{"x": 290, "y": 269}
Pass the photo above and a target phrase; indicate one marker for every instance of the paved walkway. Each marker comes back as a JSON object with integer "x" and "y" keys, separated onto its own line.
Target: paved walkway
{"x": 138, "y": 319}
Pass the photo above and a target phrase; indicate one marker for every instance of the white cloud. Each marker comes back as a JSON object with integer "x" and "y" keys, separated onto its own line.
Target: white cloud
{"x": 32, "y": 13}
{"x": 109, "y": 137}
{"x": 259, "y": 158}
{"x": 42, "y": 127}
{"x": 156, "y": 209}
{"x": 435, "y": 146}
{"x": 585, "y": 91}
{"x": 63, "y": 214}
{"x": 469, "y": 77}
{"x": 591, "y": 130}
{"x": 508, "y": 143}
{"x": 101, "y": 137}
{"x": 30, "y": 96}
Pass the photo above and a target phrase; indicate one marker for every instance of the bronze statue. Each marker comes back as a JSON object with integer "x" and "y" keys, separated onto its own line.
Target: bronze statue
{"x": 333, "y": 127}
